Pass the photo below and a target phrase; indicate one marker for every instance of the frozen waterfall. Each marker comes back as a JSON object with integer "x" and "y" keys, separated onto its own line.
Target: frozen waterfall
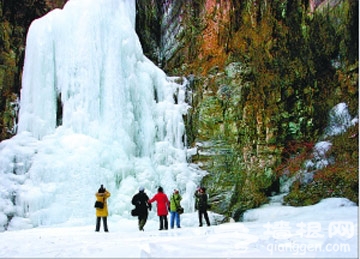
{"x": 93, "y": 110}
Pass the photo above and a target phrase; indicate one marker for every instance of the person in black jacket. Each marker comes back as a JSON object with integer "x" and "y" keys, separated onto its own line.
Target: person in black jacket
{"x": 140, "y": 200}
{"x": 202, "y": 205}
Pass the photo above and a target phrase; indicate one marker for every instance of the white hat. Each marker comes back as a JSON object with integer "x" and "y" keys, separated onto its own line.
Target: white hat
{"x": 141, "y": 189}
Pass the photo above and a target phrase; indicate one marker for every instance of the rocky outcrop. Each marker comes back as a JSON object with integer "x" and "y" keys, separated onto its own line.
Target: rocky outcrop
{"x": 258, "y": 86}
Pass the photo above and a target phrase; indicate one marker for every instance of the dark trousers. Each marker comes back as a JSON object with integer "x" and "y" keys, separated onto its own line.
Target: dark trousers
{"x": 98, "y": 223}
{"x": 163, "y": 222}
{"x": 142, "y": 221}
{"x": 206, "y": 216}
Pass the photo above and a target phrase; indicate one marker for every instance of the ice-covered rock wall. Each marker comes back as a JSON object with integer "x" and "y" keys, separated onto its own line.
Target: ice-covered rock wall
{"x": 94, "y": 110}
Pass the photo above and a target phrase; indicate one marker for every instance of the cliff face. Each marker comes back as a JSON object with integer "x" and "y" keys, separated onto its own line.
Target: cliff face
{"x": 263, "y": 75}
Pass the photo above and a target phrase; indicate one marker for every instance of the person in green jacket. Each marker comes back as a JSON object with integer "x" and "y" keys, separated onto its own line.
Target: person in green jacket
{"x": 174, "y": 206}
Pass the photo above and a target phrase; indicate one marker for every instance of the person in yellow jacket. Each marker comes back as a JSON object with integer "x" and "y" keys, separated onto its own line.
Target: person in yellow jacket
{"x": 102, "y": 195}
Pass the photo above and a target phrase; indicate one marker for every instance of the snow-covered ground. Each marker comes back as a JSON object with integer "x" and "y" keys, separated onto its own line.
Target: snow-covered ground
{"x": 328, "y": 229}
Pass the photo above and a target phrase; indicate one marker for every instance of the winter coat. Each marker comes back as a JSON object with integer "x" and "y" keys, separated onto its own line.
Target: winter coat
{"x": 140, "y": 200}
{"x": 162, "y": 203}
{"x": 202, "y": 201}
{"x": 175, "y": 201}
{"x": 103, "y": 198}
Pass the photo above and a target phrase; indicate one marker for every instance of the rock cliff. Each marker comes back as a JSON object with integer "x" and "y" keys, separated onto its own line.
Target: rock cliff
{"x": 263, "y": 77}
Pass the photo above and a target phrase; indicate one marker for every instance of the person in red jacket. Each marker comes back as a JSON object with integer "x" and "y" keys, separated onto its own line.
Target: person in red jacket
{"x": 163, "y": 204}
